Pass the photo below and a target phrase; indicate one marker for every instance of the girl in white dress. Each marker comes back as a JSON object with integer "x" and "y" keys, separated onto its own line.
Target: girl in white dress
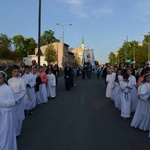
{"x": 51, "y": 85}
{"x": 134, "y": 97}
{"x": 30, "y": 86}
{"x": 110, "y": 78}
{"x": 141, "y": 117}
{"x": 126, "y": 87}
{"x": 117, "y": 90}
{"x": 7, "y": 116}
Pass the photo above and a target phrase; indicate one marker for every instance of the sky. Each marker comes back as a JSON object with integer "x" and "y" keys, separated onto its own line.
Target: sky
{"x": 104, "y": 24}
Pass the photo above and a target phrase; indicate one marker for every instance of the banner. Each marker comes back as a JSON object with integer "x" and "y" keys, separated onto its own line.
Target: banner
{"x": 88, "y": 57}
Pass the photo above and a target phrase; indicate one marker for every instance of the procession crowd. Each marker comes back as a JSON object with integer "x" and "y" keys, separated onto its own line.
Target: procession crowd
{"x": 28, "y": 87}
{"x": 33, "y": 85}
{"x": 130, "y": 91}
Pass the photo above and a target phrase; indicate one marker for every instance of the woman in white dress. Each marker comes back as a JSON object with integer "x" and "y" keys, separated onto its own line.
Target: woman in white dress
{"x": 126, "y": 87}
{"x": 110, "y": 78}
{"x": 134, "y": 97}
{"x": 141, "y": 117}
{"x": 7, "y": 116}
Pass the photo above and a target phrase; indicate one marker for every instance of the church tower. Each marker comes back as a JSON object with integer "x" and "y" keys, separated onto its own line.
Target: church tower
{"x": 82, "y": 44}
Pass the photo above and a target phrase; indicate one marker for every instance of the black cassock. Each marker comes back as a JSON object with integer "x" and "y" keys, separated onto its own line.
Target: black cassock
{"x": 68, "y": 76}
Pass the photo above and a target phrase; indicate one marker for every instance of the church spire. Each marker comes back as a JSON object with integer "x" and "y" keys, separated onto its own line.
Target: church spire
{"x": 82, "y": 40}
{"x": 82, "y": 44}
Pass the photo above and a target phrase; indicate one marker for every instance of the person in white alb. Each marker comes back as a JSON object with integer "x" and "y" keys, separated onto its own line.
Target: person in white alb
{"x": 19, "y": 89}
{"x": 7, "y": 116}
{"x": 51, "y": 85}
{"x": 126, "y": 87}
{"x": 110, "y": 78}
{"x": 141, "y": 117}
{"x": 29, "y": 80}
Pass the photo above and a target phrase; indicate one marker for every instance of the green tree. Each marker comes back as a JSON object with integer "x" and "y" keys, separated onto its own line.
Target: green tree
{"x": 18, "y": 41}
{"x": 48, "y": 37}
{"x": 30, "y": 45}
{"x": 112, "y": 59}
{"x": 24, "y": 46}
{"x": 50, "y": 54}
{"x": 5, "y": 46}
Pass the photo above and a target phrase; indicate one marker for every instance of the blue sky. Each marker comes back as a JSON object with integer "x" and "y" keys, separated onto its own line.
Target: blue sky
{"x": 104, "y": 24}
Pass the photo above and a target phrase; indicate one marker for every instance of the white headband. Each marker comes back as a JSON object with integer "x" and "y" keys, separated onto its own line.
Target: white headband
{"x": 2, "y": 72}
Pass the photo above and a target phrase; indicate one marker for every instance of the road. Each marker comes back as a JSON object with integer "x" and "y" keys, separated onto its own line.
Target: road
{"x": 80, "y": 119}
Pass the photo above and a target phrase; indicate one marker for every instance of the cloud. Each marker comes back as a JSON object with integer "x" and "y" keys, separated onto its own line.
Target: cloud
{"x": 102, "y": 11}
{"x": 74, "y": 2}
{"x": 83, "y": 9}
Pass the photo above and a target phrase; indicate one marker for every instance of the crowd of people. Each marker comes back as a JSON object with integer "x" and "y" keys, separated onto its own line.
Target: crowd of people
{"x": 28, "y": 87}
{"x": 33, "y": 85}
{"x": 130, "y": 91}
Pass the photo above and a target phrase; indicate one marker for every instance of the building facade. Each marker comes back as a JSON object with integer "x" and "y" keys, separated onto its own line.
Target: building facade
{"x": 62, "y": 56}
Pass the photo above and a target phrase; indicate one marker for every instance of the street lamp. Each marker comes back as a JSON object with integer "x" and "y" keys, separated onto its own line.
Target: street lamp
{"x": 63, "y": 25}
{"x": 134, "y": 56}
{"x": 148, "y": 52}
{"x": 39, "y": 53}
{"x": 126, "y": 48}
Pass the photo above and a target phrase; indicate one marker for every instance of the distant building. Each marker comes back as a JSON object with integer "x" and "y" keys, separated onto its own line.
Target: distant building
{"x": 78, "y": 52}
{"x": 67, "y": 56}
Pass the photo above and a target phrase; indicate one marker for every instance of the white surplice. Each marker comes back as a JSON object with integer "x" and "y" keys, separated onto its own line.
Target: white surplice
{"x": 19, "y": 89}
{"x": 141, "y": 117}
{"x": 7, "y": 119}
{"x": 110, "y": 78}
{"x": 134, "y": 97}
{"x": 117, "y": 95}
{"x": 30, "y": 102}
{"x": 51, "y": 85}
{"x": 125, "y": 99}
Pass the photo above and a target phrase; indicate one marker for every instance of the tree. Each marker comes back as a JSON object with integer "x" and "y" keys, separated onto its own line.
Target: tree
{"x": 18, "y": 41}
{"x": 5, "y": 46}
{"x": 112, "y": 59}
{"x": 24, "y": 46}
{"x": 50, "y": 54}
{"x": 30, "y": 45}
{"x": 48, "y": 37}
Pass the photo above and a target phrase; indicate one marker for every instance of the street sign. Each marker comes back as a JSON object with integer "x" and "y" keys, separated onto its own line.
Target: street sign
{"x": 128, "y": 61}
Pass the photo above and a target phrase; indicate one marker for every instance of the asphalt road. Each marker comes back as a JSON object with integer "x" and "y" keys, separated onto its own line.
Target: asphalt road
{"x": 80, "y": 119}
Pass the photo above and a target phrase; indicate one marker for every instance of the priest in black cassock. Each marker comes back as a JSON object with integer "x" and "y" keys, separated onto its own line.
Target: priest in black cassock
{"x": 67, "y": 77}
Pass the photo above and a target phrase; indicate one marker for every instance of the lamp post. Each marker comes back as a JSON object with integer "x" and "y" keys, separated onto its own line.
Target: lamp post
{"x": 148, "y": 51}
{"x": 39, "y": 53}
{"x": 63, "y": 25}
{"x": 134, "y": 56}
{"x": 126, "y": 49}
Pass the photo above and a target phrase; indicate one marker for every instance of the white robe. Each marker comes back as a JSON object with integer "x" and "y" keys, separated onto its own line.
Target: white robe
{"x": 51, "y": 85}
{"x": 141, "y": 117}
{"x": 134, "y": 97}
{"x": 110, "y": 78}
{"x": 7, "y": 119}
{"x": 30, "y": 102}
{"x": 19, "y": 90}
{"x": 43, "y": 93}
{"x": 125, "y": 99}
